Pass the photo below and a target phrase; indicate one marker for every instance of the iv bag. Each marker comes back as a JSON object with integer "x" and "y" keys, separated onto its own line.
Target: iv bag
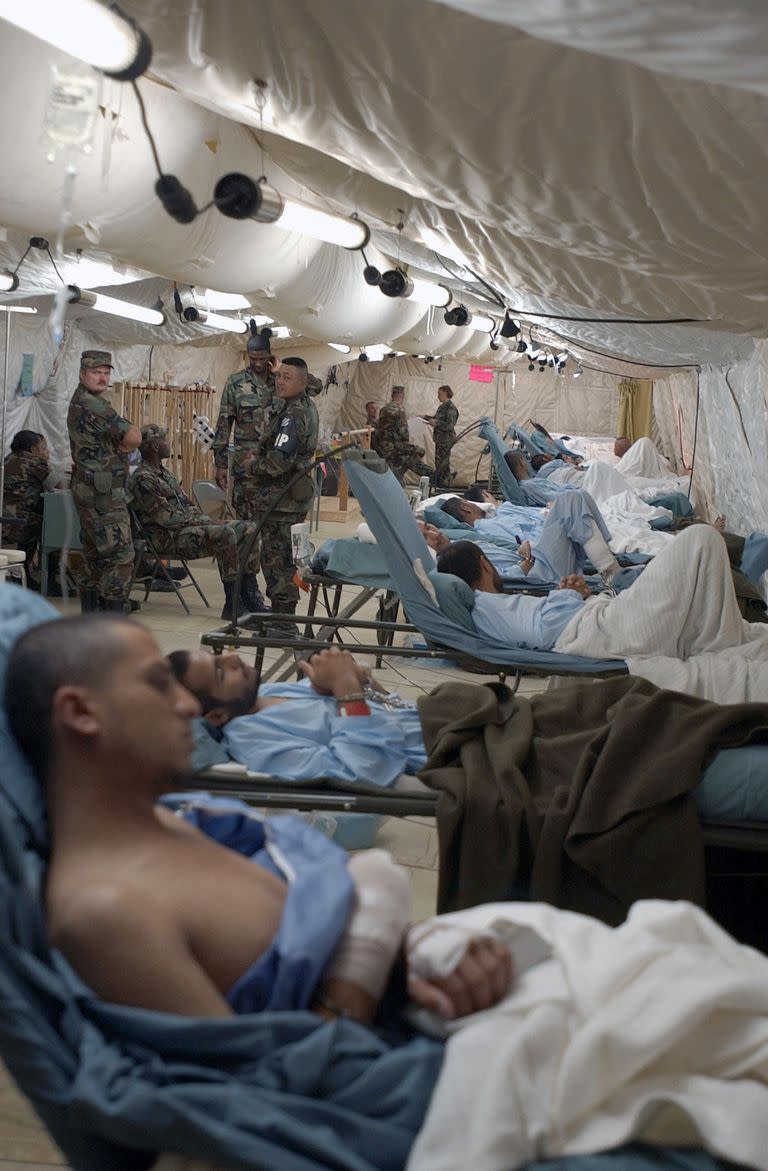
{"x": 73, "y": 102}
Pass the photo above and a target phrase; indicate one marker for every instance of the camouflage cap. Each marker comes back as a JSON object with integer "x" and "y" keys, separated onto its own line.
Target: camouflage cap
{"x": 152, "y": 431}
{"x": 90, "y": 359}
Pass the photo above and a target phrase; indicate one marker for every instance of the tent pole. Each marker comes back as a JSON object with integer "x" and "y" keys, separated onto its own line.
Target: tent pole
{"x": 3, "y": 413}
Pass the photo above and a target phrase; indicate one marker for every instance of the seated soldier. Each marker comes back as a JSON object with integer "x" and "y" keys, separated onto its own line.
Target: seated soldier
{"x": 176, "y": 527}
{"x": 682, "y": 605}
{"x": 28, "y": 475}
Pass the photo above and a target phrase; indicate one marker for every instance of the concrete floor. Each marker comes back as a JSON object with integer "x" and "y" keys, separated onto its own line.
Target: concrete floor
{"x": 24, "y": 1144}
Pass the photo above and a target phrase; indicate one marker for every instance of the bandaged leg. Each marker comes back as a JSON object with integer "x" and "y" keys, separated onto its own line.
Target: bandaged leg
{"x": 374, "y": 933}
{"x": 573, "y": 529}
{"x": 596, "y": 548}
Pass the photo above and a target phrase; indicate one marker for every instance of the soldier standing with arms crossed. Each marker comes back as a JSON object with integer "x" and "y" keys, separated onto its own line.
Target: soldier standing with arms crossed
{"x": 288, "y": 447}
{"x": 101, "y": 442}
{"x": 246, "y": 404}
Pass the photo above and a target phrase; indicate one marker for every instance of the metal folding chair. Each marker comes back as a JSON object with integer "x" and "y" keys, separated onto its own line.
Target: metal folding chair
{"x": 212, "y": 500}
{"x": 145, "y": 551}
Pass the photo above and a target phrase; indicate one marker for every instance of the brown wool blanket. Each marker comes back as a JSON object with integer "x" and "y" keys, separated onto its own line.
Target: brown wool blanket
{"x": 582, "y": 794}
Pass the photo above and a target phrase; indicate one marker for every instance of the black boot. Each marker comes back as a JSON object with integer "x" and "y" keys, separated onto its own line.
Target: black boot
{"x": 120, "y": 605}
{"x": 89, "y": 601}
{"x": 254, "y": 599}
{"x": 282, "y": 626}
{"x": 229, "y": 603}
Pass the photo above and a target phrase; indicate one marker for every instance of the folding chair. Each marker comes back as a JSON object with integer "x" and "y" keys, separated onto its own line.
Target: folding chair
{"x": 61, "y": 530}
{"x": 145, "y": 551}
{"x": 212, "y": 500}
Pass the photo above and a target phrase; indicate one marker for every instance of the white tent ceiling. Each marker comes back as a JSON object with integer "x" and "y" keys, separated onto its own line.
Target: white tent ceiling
{"x": 588, "y": 159}
{"x": 594, "y": 181}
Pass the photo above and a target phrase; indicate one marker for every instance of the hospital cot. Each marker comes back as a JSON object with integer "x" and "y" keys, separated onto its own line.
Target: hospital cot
{"x": 115, "y": 1085}
{"x": 437, "y": 605}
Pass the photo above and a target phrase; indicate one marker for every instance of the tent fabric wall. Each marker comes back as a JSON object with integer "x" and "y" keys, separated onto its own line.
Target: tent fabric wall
{"x": 635, "y": 408}
{"x": 56, "y": 371}
{"x": 731, "y": 467}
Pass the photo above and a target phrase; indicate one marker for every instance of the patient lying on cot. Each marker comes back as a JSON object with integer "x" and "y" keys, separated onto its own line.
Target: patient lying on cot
{"x": 683, "y": 605}
{"x": 153, "y": 913}
{"x": 572, "y": 532}
{"x": 135, "y": 895}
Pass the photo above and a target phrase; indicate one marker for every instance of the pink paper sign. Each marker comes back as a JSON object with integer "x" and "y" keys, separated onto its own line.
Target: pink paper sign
{"x": 481, "y": 373}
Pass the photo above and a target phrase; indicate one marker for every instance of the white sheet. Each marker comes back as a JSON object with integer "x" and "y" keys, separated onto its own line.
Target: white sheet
{"x": 679, "y": 625}
{"x": 667, "y": 1013}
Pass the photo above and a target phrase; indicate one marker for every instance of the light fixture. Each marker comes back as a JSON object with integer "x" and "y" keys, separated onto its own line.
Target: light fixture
{"x": 509, "y": 327}
{"x": 226, "y": 324}
{"x": 17, "y": 309}
{"x": 218, "y": 300}
{"x": 240, "y": 198}
{"x": 482, "y": 324}
{"x": 340, "y": 347}
{"x": 395, "y": 283}
{"x": 111, "y": 305}
{"x": 8, "y": 281}
{"x": 578, "y": 371}
{"x": 281, "y": 331}
{"x": 377, "y": 353}
{"x": 530, "y": 366}
{"x": 101, "y": 36}
{"x": 196, "y": 312}
{"x": 522, "y": 346}
{"x": 458, "y": 315}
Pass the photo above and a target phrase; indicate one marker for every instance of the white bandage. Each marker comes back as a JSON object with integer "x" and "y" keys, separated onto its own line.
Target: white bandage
{"x": 381, "y": 913}
{"x": 601, "y": 556}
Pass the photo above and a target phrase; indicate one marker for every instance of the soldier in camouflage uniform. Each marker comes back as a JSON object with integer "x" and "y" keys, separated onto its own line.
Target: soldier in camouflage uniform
{"x": 101, "y": 441}
{"x": 175, "y": 526}
{"x": 443, "y": 424}
{"x": 392, "y": 442}
{"x": 288, "y": 447}
{"x": 246, "y": 405}
{"x": 27, "y": 475}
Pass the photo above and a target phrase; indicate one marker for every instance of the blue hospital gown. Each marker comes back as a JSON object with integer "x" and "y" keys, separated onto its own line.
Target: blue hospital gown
{"x": 305, "y": 739}
{"x": 524, "y": 621}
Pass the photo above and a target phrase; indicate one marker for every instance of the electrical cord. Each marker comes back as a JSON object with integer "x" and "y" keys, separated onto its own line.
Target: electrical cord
{"x": 53, "y": 262}
{"x": 147, "y": 131}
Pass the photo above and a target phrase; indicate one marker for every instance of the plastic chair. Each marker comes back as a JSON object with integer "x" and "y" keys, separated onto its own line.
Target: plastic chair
{"x": 61, "y": 530}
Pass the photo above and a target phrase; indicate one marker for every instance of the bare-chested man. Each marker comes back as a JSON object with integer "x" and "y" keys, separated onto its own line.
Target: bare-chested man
{"x": 148, "y": 910}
